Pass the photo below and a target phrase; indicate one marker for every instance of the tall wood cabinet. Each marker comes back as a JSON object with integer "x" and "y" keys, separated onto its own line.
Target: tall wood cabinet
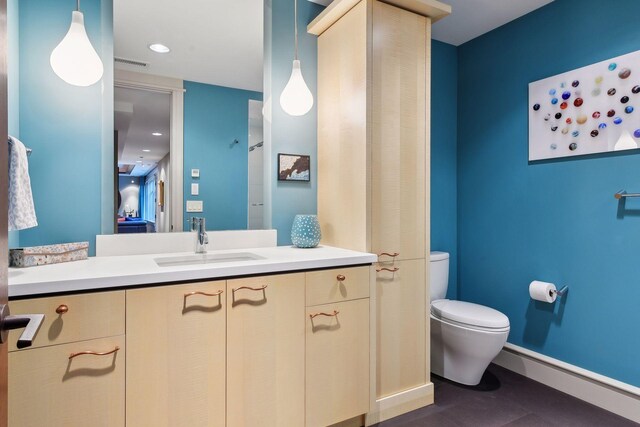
{"x": 373, "y": 174}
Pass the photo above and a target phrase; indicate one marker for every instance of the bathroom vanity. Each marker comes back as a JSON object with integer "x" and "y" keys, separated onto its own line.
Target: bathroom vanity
{"x": 281, "y": 339}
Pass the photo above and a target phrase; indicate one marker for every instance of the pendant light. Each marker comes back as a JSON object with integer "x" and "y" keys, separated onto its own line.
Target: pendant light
{"x": 296, "y": 98}
{"x": 75, "y": 60}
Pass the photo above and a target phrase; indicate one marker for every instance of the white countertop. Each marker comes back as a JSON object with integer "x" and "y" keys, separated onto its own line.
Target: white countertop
{"x": 121, "y": 271}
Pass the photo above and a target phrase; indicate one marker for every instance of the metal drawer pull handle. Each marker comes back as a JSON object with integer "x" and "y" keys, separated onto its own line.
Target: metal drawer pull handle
{"x": 393, "y": 270}
{"x": 62, "y": 309}
{"x": 334, "y": 314}
{"x": 93, "y": 353}
{"x": 340, "y": 278}
{"x": 393, "y": 255}
{"x": 261, "y": 288}
{"x": 215, "y": 294}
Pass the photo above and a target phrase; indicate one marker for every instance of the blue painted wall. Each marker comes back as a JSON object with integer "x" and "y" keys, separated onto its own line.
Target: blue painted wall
{"x": 215, "y": 116}
{"x": 62, "y": 124}
{"x": 13, "y": 83}
{"x": 295, "y": 135}
{"x": 556, "y": 221}
{"x": 444, "y": 194}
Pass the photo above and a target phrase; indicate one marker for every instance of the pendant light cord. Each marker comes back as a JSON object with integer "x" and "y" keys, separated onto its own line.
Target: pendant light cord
{"x": 78, "y": 5}
{"x": 295, "y": 25}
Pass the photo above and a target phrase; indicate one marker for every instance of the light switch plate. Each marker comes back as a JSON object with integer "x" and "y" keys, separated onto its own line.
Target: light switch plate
{"x": 195, "y": 173}
{"x": 195, "y": 189}
{"x": 194, "y": 205}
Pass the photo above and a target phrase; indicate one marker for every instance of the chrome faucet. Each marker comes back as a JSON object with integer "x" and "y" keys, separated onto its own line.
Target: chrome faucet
{"x": 202, "y": 238}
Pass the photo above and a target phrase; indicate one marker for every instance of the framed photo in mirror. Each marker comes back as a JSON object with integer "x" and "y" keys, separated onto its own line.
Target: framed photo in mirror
{"x": 294, "y": 167}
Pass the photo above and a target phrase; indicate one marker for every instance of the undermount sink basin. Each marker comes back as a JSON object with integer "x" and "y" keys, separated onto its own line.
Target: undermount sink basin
{"x": 206, "y": 259}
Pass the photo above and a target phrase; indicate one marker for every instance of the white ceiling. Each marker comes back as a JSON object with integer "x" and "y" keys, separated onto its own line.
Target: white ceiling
{"x": 221, "y": 41}
{"x": 212, "y": 41}
{"x": 139, "y": 113}
{"x": 472, "y": 18}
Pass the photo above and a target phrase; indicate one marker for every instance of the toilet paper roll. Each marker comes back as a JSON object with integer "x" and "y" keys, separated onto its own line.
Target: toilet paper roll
{"x": 542, "y": 291}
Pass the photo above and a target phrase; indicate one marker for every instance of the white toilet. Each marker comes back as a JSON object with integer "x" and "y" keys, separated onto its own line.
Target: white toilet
{"x": 465, "y": 337}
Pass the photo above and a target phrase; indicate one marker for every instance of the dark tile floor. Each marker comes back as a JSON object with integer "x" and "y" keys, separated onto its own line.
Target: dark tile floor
{"x": 504, "y": 398}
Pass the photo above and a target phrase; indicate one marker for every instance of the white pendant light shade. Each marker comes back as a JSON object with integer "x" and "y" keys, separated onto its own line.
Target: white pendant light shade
{"x": 75, "y": 60}
{"x": 296, "y": 98}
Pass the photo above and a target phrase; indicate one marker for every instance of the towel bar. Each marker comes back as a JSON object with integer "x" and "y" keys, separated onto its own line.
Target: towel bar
{"x": 29, "y": 150}
{"x": 623, "y": 194}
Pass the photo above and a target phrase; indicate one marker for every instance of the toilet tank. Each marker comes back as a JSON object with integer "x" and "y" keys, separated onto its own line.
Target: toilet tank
{"x": 438, "y": 275}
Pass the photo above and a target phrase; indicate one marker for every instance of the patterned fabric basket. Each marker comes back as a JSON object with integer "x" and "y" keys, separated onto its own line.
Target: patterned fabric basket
{"x": 50, "y": 254}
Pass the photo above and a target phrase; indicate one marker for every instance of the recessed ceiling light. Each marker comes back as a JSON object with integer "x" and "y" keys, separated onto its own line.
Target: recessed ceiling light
{"x": 138, "y": 161}
{"x": 156, "y": 134}
{"x": 146, "y": 151}
{"x": 159, "y": 48}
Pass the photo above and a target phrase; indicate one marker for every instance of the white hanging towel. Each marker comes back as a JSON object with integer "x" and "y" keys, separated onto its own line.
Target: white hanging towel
{"x": 22, "y": 213}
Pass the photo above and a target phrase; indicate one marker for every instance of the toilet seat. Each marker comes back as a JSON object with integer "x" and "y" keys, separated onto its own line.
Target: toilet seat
{"x": 470, "y": 315}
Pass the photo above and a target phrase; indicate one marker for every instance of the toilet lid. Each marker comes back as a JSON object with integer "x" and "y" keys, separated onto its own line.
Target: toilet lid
{"x": 469, "y": 314}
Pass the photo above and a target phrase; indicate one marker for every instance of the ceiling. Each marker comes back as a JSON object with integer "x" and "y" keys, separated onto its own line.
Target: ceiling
{"x": 138, "y": 114}
{"x": 472, "y": 18}
{"x": 212, "y": 41}
{"x": 221, "y": 41}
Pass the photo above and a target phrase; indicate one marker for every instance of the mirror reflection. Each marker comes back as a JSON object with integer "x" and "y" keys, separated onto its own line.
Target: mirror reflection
{"x": 142, "y": 123}
{"x": 171, "y": 130}
{"x": 213, "y": 52}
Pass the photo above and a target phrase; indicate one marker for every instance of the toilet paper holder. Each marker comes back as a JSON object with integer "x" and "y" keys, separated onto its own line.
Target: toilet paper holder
{"x": 560, "y": 293}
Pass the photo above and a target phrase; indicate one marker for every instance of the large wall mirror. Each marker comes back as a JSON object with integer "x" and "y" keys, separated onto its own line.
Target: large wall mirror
{"x": 188, "y": 115}
{"x": 186, "y": 124}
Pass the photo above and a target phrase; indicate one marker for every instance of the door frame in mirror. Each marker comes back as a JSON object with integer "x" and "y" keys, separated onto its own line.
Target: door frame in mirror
{"x": 174, "y": 87}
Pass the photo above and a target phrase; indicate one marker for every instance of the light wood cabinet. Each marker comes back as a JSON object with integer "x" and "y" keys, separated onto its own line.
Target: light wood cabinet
{"x": 241, "y": 352}
{"x": 373, "y": 172}
{"x": 176, "y": 363}
{"x": 401, "y": 321}
{"x": 398, "y": 135}
{"x": 265, "y": 351}
{"x": 337, "y": 362}
{"x": 48, "y": 388}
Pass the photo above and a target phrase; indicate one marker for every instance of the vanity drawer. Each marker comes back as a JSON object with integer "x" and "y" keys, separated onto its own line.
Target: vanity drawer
{"x": 339, "y": 284}
{"x": 71, "y": 318}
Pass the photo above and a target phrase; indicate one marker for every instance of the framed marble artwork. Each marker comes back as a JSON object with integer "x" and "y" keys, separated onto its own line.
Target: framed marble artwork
{"x": 593, "y": 109}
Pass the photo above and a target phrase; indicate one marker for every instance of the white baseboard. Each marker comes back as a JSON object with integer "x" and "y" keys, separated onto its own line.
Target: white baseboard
{"x": 613, "y": 395}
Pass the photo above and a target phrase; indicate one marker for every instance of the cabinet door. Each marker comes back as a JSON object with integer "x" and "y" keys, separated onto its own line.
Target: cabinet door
{"x": 176, "y": 360}
{"x": 265, "y": 351}
{"x": 398, "y": 132}
{"x": 401, "y": 320}
{"x": 48, "y": 388}
{"x": 337, "y": 355}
